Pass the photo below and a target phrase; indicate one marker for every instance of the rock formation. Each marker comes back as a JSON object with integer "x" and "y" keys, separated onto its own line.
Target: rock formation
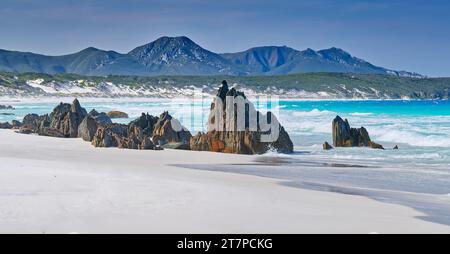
{"x": 145, "y": 133}
{"x": 66, "y": 118}
{"x": 111, "y": 135}
{"x": 87, "y": 128}
{"x": 63, "y": 122}
{"x": 345, "y": 136}
{"x": 4, "y": 107}
{"x": 224, "y": 134}
{"x": 5, "y": 125}
{"x": 396, "y": 147}
{"x": 102, "y": 117}
{"x": 327, "y": 146}
{"x": 33, "y": 123}
{"x": 170, "y": 133}
{"x": 117, "y": 114}
{"x": 13, "y": 125}
{"x": 140, "y": 132}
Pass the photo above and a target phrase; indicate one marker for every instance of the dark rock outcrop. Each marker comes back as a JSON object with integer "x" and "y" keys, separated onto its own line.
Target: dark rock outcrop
{"x": 5, "y": 125}
{"x": 140, "y": 132}
{"x": 117, "y": 114}
{"x": 5, "y": 107}
{"x": 396, "y": 147}
{"x": 63, "y": 122}
{"x": 224, "y": 136}
{"x": 13, "y": 125}
{"x": 87, "y": 128}
{"x": 169, "y": 130}
{"x": 66, "y": 118}
{"x": 33, "y": 123}
{"x": 16, "y": 124}
{"x": 345, "y": 136}
{"x": 111, "y": 135}
{"x": 327, "y": 146}
{"x": 145, "y": 133}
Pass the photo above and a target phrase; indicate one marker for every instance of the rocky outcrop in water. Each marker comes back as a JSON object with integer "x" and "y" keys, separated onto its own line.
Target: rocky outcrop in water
{"x": 345, "y": 136}
{"x": 327, "y": 146}
{"x": 224, "y": 135}
{"x": 5, "y": 107}
{"x": 117, "y": 114}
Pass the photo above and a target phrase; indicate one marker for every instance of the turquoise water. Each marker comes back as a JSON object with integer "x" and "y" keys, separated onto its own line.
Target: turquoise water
{"x": 420, "y": 128}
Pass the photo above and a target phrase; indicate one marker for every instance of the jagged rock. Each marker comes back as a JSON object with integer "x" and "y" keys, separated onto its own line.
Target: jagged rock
{"x": 224, "y": 136}
{"x": 87, "y": 128}
{"x": 169, "y": 130}
{"x": 396, "y": 147}
{"x": 66, "y": 118}
{"x": 117, "y": 114}
{"x": 33, "y": 123}
{"x": 101, "y": 118}
{"x": 140, "y": 132}
{"x": 111, "y": 135}
{"x": 327, "y": 146}
{"x": 345, "y": 136}
{"x": 5, "y": 125}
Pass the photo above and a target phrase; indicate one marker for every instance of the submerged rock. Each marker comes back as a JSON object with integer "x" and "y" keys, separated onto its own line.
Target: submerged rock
{"x": 228, "y": 135}
{"x": 345, "y": 136}
{"x": 117, "y": 114}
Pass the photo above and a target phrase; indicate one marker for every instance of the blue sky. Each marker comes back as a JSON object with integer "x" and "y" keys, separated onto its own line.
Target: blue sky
{"x": 404, "y": 35}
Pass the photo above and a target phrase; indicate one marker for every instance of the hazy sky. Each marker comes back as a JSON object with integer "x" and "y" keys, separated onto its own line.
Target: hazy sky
{"x": 409, "y": 35}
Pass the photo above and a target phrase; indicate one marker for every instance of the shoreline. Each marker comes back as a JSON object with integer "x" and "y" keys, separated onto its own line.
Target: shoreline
{"x": 51, "y": 185}
{"x": 88, "y": 99}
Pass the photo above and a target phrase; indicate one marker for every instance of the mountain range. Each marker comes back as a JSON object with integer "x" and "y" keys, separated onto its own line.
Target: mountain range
{"x": 182, "y": 56}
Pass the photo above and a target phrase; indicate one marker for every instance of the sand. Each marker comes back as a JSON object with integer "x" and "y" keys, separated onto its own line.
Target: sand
{"x": 50, "y": 185}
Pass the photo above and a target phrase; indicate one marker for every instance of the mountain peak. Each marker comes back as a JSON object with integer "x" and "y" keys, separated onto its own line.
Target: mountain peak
{"x": 181, "y": 56}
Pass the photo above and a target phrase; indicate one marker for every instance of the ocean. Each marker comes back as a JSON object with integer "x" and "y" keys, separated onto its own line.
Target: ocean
{"x": 416, "y": 175}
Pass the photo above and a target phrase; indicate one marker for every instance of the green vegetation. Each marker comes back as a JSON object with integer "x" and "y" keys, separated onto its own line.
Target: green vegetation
{"x": 343, "y": 83}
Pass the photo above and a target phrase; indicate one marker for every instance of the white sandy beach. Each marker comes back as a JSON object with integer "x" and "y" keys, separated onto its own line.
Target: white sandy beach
{"x": 50, "y": 185}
